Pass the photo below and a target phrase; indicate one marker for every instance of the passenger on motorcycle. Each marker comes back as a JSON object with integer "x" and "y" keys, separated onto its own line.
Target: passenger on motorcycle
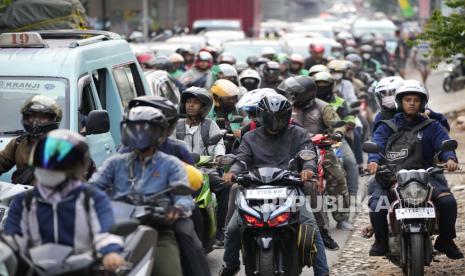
{"x": 272, "y": 145}
{"x": 342, "y": 87}
{"x": 40, "y": 115}
{"x": 59, "y": 159}
{"x": 316, "y": 56}
{"x": 411, "y": 99}
{"x": 136, "y": 175}
{"x": 200, "y": 74}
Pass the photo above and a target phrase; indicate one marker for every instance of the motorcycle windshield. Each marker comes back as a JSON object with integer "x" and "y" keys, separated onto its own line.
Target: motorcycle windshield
{"x": 407, "y": 176}
{"x": 268, "y": 175}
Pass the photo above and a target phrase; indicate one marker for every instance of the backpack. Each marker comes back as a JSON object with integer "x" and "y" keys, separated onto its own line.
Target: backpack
{"x": 204, "y": 131}
{"x": 403, "y": 148}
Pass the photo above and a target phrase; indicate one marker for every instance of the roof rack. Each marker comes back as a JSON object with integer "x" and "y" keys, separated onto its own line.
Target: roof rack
{"x": 77, "y": 34}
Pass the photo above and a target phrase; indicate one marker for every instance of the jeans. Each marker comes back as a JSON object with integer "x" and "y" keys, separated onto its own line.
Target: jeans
{"x": 167, "y": 255}
{"x": 232, "y": 245}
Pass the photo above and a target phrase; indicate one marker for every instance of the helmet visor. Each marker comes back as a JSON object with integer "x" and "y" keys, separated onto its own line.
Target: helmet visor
{"x": 141, "y": 134}
{"x": 291, "y": 86}
{"x": 275, "y": 121}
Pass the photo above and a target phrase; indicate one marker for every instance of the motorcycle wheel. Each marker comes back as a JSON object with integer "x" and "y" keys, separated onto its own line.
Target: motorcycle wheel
{"x": 416, "y": 257}
{"x": 266, "y": 262}
{"x": 447, "y": 84}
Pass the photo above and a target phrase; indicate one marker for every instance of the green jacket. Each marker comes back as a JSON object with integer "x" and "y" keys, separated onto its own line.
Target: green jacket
{"x": 340, "y": 106}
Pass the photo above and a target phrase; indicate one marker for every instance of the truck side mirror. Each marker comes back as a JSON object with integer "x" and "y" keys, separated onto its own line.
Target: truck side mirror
{"x": 97, "y": 122}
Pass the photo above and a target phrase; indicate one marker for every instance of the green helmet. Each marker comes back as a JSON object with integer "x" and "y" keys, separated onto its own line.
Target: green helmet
{"x": 282, "y": 58}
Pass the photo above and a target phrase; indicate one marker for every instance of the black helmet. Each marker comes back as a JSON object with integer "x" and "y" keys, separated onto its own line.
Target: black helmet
{"x": 275, "y": 112}
{"x": 260, "y": 61}
{"x": 350, "y": 50}
{"x": 300, "y": 90}
{"x": 45, "y": 106}
{"x": 202, "y": 95}
{"x": 60, "y": 151}
{"x": 143, "y": 127}
{"x": 252, "y": 61}
{"x": 162, "y": 63}
{"x": 168, "y": 109}
{"x": 271, "y": 70}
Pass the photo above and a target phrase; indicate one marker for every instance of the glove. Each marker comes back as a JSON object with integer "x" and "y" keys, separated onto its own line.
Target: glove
{"x": 337, "y": 136}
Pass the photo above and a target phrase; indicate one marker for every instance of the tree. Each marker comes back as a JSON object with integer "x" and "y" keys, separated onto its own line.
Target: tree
{"x": 446, "y": 33}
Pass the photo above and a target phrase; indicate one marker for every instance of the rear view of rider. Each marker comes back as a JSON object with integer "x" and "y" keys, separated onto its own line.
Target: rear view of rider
{"x": 411, "y": 99}
{"x": 40, "y": 115}
{"x": 55, "y": 210}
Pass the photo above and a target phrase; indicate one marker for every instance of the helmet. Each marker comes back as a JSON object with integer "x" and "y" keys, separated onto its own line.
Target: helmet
{"x": 337, "y": 50}
{"x": 355, "y": 59}
{"x": 182, "y": 51}
{"x": 204, "y": 56}
{"x": 297, "y": 58}
{"x": 194, "y": 177}
{"x": 168, "y": 109}
{"x": 224, "y": 89}
{"x": 249, "y": 79}
{"x": 161, "y": 63}
{"x": 42, "y": 105}
{"x": 412, "y": 87}
{"x": 324, "y": 82}
{"x": 228, "y": 58}
{"x": 202, "y": 95}
{"x": 60, "y": 155}
{"x": 385, "y": 91}
{"x": 301, "y": 90}
{"x": 271, "y": 69}
{"x": 366, "y": 49}
{"x": 282, "y": 58}
{"x": 379, "y": 42}
{"x": 274, "y": 112}
{"x": 146, "y": 59}
{"x": 227, "y": 71}
{"x": 268, "y": 52}
{"x": 317, "y": 68}
{"x": 252, "y": 60}
{"x": 344, "y": 36}
{"x": 241, "y": 66}
{"x": 337, "y": 65}
{"x": 249, "y": 102}
{"x": 367, "y": 39}
{"x": 214, "y": 52}
{"x": 176, "y": 58}
{"x": 316, "y": 48}
{"x": 143, "y": 127}
{"x": 261, "y": 61}
{"x": 350, "y": 50}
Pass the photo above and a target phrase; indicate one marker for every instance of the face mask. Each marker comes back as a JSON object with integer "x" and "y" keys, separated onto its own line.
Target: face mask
{"x": 388, "y": 102}
{"x": 48, "y": 178}
{"x": 366, "y": 56}
{"x": 337, "y": 76}
{"x": 325, "y": 93}
{"x": 336, "y": 54}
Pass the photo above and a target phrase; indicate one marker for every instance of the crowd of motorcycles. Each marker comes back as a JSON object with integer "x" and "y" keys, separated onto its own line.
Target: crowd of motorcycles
{"x": 410, "y": 238}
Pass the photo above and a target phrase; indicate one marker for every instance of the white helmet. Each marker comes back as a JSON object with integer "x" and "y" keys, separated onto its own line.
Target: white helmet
{"x": 385, "y": 91}
{"x": 250, "y": 100}
{"x": 317, "y": 68}
{"x": 227, "y": 70}
{"x": 268, "y": 51}
{"x": 412, "y": 87}
{"x": 249, "y": 79}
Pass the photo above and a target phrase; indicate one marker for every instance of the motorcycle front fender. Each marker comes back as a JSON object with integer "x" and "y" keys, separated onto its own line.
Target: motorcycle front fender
{"x": 415, "y": 228}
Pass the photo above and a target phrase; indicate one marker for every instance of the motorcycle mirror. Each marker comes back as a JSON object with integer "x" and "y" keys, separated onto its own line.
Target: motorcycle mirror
{"x": 181, "y": 190}
{"x": 338, "y": 124}
{"x": 236, "y": 119}
{"x": 449, "y": 145}
{"x": 355, "y": 104}
{"x": 124, "y": 228}
{"x": 370, "y": 147}
{"x": 228, "y": 159}
{"x": 195, "y": 157}
{"x": 306, "y": 155}
{"x": 354, "y": 112}
{"x": 216, "y": 138}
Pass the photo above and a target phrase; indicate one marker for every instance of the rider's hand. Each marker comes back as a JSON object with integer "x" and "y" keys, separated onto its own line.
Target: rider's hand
{"x": 112, "y": 261}
{"x": 228, "y": 177}
{"x": 452, "y": 165}
{"x": 372, "y": 167}
{"x": 172, "y": 214}
{"x": 306, "y": 175}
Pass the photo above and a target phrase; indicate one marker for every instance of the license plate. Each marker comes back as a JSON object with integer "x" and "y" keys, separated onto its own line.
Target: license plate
{"x": 415, "y": 213}
{"x": 266, "y": 193}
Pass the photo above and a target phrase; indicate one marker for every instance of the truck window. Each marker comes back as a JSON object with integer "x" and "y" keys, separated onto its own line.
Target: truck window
{"x": 128, "y": 82}
{"x": 87, "y": 102}
{"x": 99, "y": 78}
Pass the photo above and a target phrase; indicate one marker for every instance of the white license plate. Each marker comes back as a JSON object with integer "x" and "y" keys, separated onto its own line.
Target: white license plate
{"x": 266, "y": 193}
{"x": 415, "y": 213}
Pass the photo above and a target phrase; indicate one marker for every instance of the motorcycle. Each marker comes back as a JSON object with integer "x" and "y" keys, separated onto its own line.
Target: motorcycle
{"x": 454, "y": 78}
{"x": 411, "y": 216}
{"x": 273, "y": 241}
{"x": 8, "y": 191}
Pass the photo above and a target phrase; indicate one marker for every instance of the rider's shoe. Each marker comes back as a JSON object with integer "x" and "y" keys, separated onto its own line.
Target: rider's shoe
{"x": 328, "y": 241}
{"x": 379, "y": 248}
{"x": 449, "y": 248}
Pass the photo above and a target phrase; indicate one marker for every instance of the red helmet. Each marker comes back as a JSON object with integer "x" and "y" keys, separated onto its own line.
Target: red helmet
{"x": 145, "y": 58}
{"x": 203, "y": 56}
{"x": 316, "y": 48}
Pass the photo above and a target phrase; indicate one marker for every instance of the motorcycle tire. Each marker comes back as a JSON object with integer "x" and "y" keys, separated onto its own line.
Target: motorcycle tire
{"x": 266, "y": 262}
{"x": 447, "y": 84}
{"x": 416, "y": 255}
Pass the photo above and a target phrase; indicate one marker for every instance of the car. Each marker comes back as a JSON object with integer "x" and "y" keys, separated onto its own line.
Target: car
{"x": 242, "y": 49}
{"x": 163, "y": 85}
{"x": 215, "y": 25}
{"x": 301, "y": 45}
{"x": 91, "y": 74}
{"x": 384, "y": 28}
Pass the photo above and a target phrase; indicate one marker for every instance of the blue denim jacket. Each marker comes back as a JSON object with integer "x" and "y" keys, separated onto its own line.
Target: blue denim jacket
{"x": 156, "y": 174}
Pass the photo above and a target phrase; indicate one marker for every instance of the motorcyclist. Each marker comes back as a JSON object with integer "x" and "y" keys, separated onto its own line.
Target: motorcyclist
{"x": 337, "y": 51}
{"x": 317, "y": 116}
{"x": 359, "y": 86}
{"x": 411, "y": 99}
{"x": 358, "y": 69}
{"x": 316, "y": 56}
{"x": 177, "y": 62}
{"x": 252, "y": 61}
{"x": 270, "y": 72}
{"x": 188, "y": 54}
{"x": 227, "y": 72}
{"x": 324, "y": 82}
{"x": 269, "y": 53}
{"x": 380, "y": 53}
{"x": 342, "y": 87}
{"x": 369, "y": 64}
{"x": 316, "y": 69}
{"x": 227, "y": 58}
{"x": 296, "y": 64}
{"x": 272, "y": 145}
{"x": 249, "y": 104}
{"x": 136, "y": 175}
{"x": 249, "y": 79}
{"x": 145, "y": 60}
{"x": 59, "y": 159}
{"x": 40, "y": 114}
{"x": 284, "y": 64}
{"x": 200, "y": 74}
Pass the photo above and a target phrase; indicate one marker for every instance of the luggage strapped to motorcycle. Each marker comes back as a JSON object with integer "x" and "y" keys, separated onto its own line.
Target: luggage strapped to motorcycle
{"x": 204, "y": 131}
{"x": 306, "y": 244}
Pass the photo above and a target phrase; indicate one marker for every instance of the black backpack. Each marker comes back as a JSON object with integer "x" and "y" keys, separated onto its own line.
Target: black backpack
{"x": 403, "y": 147}
{"x": 204, "y": 131}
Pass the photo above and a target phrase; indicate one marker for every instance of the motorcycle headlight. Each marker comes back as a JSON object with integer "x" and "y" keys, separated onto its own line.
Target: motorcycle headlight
{"x": 414, "y": 193}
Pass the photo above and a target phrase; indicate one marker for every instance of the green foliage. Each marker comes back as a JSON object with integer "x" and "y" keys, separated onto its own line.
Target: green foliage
{"x": 446, "y": 33}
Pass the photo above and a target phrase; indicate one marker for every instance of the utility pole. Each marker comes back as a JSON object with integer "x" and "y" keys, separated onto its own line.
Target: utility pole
{"x": 145, "y": 19}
